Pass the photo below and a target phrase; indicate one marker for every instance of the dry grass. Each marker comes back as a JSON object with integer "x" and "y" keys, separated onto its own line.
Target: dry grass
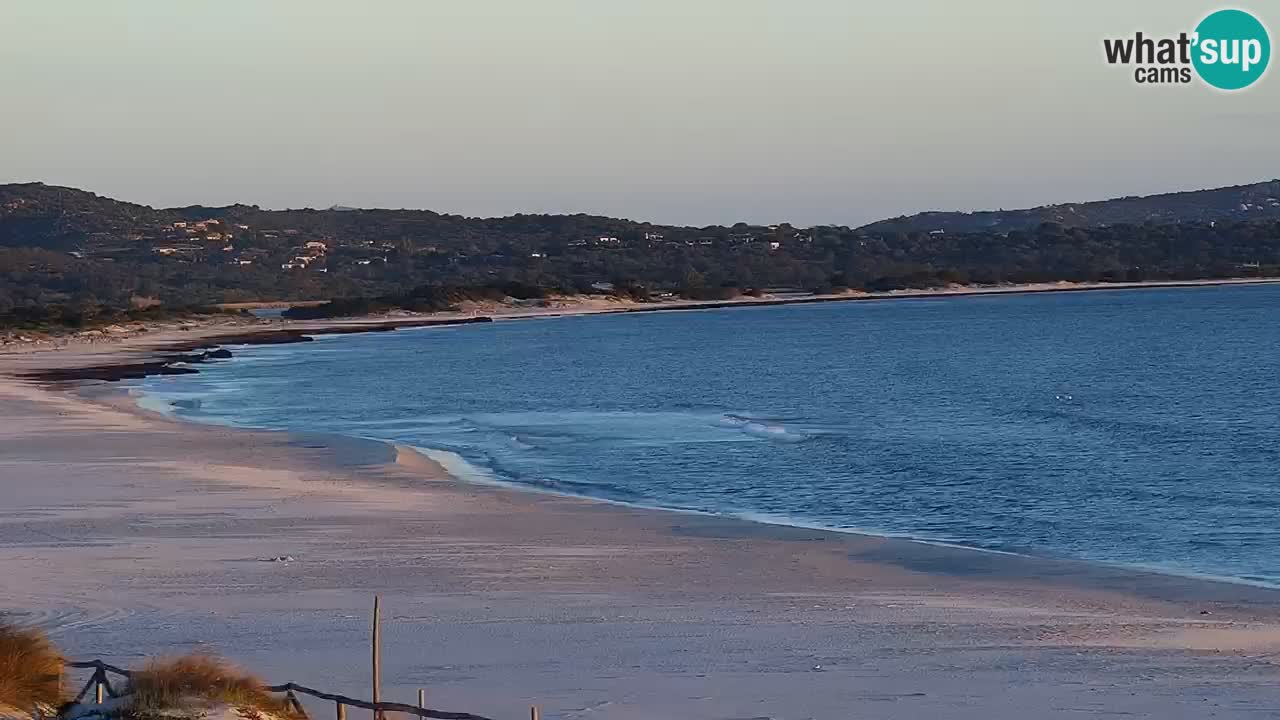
{"x": 30, "y": 669}
{"x": 174, "y": 683}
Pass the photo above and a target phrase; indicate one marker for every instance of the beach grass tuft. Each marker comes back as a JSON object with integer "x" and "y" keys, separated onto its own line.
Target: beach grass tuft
{"x": 31, "y": 669}
{"x": 169, "y": 684}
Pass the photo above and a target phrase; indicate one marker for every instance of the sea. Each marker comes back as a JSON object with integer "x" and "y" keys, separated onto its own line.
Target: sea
{"x": 1137, "y": 428}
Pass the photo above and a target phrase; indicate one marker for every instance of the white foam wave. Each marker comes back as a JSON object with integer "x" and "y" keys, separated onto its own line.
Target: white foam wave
{"x": 761, "y": 428}
{"x": 777, "y": 433}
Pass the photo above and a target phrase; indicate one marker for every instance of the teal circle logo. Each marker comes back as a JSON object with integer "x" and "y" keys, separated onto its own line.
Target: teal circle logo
{"x": 1232, "y": 49}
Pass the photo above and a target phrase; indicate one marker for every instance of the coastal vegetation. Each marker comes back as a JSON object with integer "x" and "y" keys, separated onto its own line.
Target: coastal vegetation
{"x": 40, "y": 319}
{"x": 30, "y": 671}
{"x": 32, "y": 685}
{"x": 72, "y": 259}
{"x": 32, "y": 674}
{"x": 165, "y": 685}
{"x": 195, "y": 686}
{"x": 434, "y": 298}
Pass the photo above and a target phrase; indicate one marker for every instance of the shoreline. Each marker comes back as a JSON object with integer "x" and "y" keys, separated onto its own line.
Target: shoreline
{"x": 165, "y": 355}
{"x": 129, "y": 531}
{"x": 160, "y": 359}
{"x": 478, "y": 478}
{"x": 420, "y": 457}
{"x": 383, "y": 453}
{"x": 162, "y": 349}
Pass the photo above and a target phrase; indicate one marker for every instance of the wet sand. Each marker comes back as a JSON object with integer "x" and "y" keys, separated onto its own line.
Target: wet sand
{"x": 127, "y": 534}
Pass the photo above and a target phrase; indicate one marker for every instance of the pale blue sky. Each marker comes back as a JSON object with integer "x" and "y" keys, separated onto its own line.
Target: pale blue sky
{"x": 680, "y": 111}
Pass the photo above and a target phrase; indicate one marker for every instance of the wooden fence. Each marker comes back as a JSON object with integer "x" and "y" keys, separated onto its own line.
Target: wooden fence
{"x": 100, "y": 685}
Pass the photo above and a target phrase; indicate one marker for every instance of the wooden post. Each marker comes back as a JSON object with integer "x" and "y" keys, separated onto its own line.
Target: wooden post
{"x": 535, "y": 713}
{"x": 422, "y": 698}
{"x": 98, "y": 687}
{"x": 377, "y": 655}
{"x": 342, "y": 711}
{"x": 295, "y": 704}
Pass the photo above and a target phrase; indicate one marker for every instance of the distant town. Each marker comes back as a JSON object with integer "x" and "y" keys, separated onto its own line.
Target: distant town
{"x": 197, "y": 240}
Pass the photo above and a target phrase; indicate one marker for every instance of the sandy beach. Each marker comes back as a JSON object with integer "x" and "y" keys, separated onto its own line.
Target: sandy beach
{"x": 127, "y": 534}
{"x": 178, "y": 331}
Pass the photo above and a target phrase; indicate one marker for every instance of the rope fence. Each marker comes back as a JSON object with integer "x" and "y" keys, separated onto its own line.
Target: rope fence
{"x": 100, "y": 685}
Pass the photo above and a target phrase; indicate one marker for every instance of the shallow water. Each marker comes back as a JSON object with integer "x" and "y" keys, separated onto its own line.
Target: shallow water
{"x": 1134, "y": 427}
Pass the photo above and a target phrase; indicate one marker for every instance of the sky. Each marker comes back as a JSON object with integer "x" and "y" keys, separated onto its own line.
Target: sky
{"x": 673, "y": 111}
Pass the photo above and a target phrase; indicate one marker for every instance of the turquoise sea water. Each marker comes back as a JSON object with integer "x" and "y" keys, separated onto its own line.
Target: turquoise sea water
{"x": 1138, "y": 428}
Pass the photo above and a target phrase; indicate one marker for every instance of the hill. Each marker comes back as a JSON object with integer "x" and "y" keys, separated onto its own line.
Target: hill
{"x": 1259, "y": 201}
{"x": 82, "y": 252}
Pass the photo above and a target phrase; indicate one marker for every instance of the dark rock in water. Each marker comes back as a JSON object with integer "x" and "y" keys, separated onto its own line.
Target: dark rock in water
{"x": 109, "y": 373}
{"x": 193, "y": 404}
{"x": 186, "y": 358}
{"x": 190, "y": 353}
